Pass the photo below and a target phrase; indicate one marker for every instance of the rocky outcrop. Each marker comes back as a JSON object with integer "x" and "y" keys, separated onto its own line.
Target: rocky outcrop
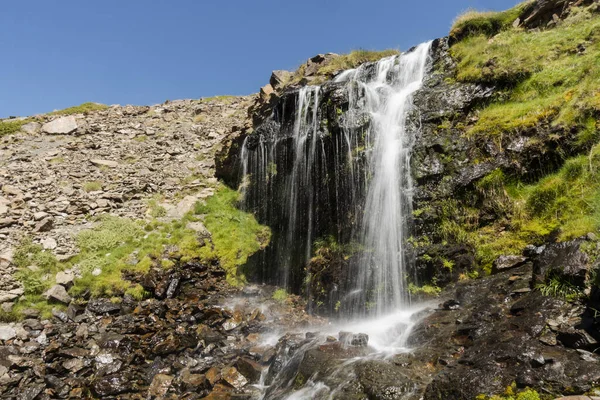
{"x": 108, "y": 161}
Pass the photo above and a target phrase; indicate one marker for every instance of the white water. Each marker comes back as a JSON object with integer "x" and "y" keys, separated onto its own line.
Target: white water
{"x": 379, "y": 278}
{"x": 388, "y": 100}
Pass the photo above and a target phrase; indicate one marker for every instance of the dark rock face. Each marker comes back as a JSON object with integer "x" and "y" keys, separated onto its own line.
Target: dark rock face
{"x": 561, "y": 260}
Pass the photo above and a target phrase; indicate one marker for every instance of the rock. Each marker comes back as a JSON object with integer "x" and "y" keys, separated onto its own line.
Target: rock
{"x": 504, "y": 263}
{"x": 577, "y": 339}
{"x": 65, "y": 278}
{"x": 44, "y": 225}
{"x": 40, "y": 215}
{"x": 113, "y": 384}
{"x": 60, "y": 126}
{"x": 6, "y": 222}
{"x": 31, "y": 128}
{"x": 103, "y": 306}
{"x": 49, "y": 243}
{"x": 160, "y": 385}
{"x": 451, "y": 304}
{"x": 233, "y": 377}
{"x": 249, "y": 368}
{"x": 266, "y": 91}
{"x": 564, "y": 260}
{"x": 105, "y": 163}
{"x": 352, "y": 339}
{"x": 58, "y": 293}
{"x": 279, "y": 78}
{"x": 7, "y": 332}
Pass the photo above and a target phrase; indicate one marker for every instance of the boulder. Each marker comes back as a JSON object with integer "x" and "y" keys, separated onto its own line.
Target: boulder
{"x": 65, "y": 278}
{"x": 564, "y": 260}
{"x": 7, "y": 332}
{"x": 58, "y": 293}
{"x": 504, "y": 263}
{"x": 60, "y": 126}
{"x": 31, "y": 128}
{"x": 279, "y": 78}
{"x": 44, "y": 225}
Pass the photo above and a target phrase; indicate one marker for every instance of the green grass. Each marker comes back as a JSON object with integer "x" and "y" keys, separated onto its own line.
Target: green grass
{"x": 236, "y": 235}
{"x": 118, "y": 245}
{"x": 227, "y": 99}
{"x": 81, "y": 109}
{"x": 488, "y": 23}
{"x": 8, "y": 126}
{"x": 541, "y": 76}
{"x": 354, "y": 59}
{"x": 565, "y": 204}
{"x": 511, "y": 393}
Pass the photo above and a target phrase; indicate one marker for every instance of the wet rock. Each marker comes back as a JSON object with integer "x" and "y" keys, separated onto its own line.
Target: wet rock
{"x": 563, "y": 259}
{"x": 233, "y": 377}
{"x": 113, "y": 384}
{"x": 352, "y": 339}
{"x": 58, "y": 293}
{"x": 160, "y": 385}
{"x": 32, "y": 391}
{"x": 451, "y": 304}
{"x": 249, "y": 368}
{"x": 103, "y": 306}
{"x": 577, "y": 339}
{"x": 60, "y": 126}
{"x": 504, "y": 263}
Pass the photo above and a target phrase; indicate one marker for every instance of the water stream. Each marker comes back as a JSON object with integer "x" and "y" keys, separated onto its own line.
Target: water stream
{"x": 377, "y": 302}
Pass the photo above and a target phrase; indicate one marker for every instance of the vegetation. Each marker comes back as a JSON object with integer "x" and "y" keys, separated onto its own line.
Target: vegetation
{"x": 280, "y": 295}
{"x": 8, "y": 126}
{"x": 119, "y": 245}
{"x": 488, "y": 23}
{"x": 354, "y": 59}
{"x": 235, "y": 234}
{"x": 548, "y": 76}
{"x": 558, "y": 287}
{"x": 227, "y": 99}
{"x": 511, "y": 393}
{"x": 425, "y": 290}
{"x": 81, "y": 109}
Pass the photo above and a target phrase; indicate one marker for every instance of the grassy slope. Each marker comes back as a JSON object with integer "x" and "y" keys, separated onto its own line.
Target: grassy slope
{"x": 118, "y": 245}
{"x": 544, "y": 77}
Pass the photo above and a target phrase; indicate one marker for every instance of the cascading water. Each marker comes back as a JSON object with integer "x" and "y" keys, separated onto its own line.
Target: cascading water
{"x": 387, "y": 97}
{"x": 364, "y": 187}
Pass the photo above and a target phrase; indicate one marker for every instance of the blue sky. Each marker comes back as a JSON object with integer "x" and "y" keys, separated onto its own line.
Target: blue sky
{"x": 55, "y": 54}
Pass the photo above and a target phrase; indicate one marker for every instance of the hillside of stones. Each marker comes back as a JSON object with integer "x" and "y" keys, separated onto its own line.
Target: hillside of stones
{"x": 59, "y": 172}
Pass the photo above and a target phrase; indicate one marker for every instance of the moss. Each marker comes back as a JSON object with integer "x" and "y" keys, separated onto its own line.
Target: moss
{"x": 511, "y": 393}
{"x": 427, "y": 290}
{"x": 81, "y": 109}
{"x": 548, "y": 76}
{"x": 280, "y": 295}
{"x": 236, "y": 235}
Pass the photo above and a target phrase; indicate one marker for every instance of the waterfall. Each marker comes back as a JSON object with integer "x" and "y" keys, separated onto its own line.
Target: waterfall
{"x": 309, "y": 179}
{"x": 387, "y": 97}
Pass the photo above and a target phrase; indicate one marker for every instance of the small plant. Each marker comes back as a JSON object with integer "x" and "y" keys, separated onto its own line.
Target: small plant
{"x": 558, "y": 287}
{"x": 427, "y": 290}
{"x": 280, "y": 295}
{"x": 93, "y": 186}
{"x": 11, "y": 126}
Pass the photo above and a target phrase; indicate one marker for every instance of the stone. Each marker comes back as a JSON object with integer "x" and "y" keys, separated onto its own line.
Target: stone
{"x": 233, "y": 377}
{"x": 249, "y": 368}
{"x": 49, "y": 243}
{"x": 504, "y": 263}
{"x": 266, "y": 91}
{"x": 113, "y": 384}
{"x": 65, "y": 278}
{"x": 7, "y": 332}
{"x": 6, "y": 222}
{"x": 44, "y": 225}
{"x": 279, "y": 78}
{"x": 103, "y": 306}
{"x": 40, "y": 215}
{"x": 104, "y": 163}
{"x": 58, "y": 293}
{"x": 160, "y": 385}
{"x": 60, "y": 126}
{"x": 564, "y": 260}
{"x": 31, "y": 128}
